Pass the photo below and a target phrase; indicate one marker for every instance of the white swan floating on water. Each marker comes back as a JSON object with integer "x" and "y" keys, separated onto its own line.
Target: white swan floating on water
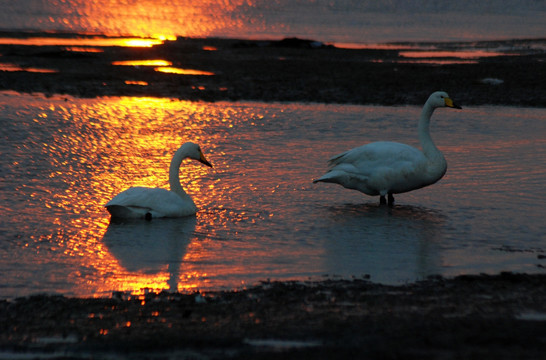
{"x": 149, "y": 203}
{"x": 386, "y": 168}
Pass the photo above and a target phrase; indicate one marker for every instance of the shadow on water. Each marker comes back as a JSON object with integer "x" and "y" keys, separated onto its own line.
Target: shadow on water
{"x": 147, "y": 246}
{"x": 397, "y": 211}
{"x": 389, "y": 244}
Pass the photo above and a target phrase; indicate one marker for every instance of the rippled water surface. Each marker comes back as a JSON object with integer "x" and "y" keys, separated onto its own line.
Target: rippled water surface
{"x": 260, "y": 216}
{"x": 346, "y": 21}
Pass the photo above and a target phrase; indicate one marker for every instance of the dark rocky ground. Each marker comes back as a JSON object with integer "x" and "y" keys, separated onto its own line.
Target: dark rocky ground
{"x": 469, "y": 317}
{"x": 278, "y": 71}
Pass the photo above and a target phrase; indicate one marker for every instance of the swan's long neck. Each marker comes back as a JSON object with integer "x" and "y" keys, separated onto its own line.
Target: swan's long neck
{"x": 174, "y": 176}
{"x": 437, "y": 164}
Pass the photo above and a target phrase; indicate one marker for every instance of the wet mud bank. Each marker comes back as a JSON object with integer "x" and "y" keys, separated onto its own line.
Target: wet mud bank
{"x": 288, "y": 70}
{"x": 485, "y": 317}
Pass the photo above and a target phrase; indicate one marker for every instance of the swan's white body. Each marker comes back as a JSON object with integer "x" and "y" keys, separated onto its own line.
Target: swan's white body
{"x": 149, "y": 203}
{"x": 387, "y": 168}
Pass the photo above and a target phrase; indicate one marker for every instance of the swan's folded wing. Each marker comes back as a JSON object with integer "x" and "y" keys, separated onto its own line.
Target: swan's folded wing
{"x": 136, "y": 196}
{"x": 158, "y": 202}
{"x": 381, "y": 151}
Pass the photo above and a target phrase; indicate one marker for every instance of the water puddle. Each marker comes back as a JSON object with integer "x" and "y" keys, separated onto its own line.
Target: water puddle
{"x": 163, "y": 66}
{"x": 81, "y": 41}
{"x": 14, "y": 67}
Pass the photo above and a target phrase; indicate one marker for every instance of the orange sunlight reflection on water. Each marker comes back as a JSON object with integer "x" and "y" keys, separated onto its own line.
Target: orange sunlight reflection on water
{"x": 260, "y": 216}
{"x": 469, "y": 54}
{"x": 119, "y": 143}
{"x": 148, "y": 18}
{"x": 14, "y": 67}
{"x": 77, "y": 44}
{"x": 179, "y": 71}
{"x": 162, "y": 66}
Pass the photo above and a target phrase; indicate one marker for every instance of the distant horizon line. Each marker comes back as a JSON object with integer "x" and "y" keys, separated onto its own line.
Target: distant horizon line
{"x": 159, "y": 39}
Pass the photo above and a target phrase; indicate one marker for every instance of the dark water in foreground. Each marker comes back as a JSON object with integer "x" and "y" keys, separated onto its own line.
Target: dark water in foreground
{"x": 261, "y": 217}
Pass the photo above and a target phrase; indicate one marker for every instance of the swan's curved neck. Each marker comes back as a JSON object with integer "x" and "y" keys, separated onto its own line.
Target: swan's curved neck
{"x": 174, "y": 176}
{"x": 437, "y": 163}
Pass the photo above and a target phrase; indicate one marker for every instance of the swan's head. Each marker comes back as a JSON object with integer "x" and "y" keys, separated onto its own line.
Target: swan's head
{"x": 441, "y": 99}
{"x": 193, "y": 151}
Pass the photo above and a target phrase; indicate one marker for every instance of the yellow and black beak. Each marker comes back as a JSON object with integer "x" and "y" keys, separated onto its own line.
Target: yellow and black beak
{"x": 203, "y": 160}
{"x": 451, "y": 104}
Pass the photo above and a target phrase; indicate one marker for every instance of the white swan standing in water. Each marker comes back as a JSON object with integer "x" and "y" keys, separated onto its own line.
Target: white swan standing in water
{"x": 386, "y": 168}
{"x": 149, "y": 203}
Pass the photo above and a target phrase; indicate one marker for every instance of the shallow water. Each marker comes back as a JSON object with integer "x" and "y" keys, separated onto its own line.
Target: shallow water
{"x": 261, "y": 217}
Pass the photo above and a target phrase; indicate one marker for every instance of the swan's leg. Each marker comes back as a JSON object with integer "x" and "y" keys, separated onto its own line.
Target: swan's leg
{"x": 391, "y": 200}
{"x": 382, "y": 200}
{"x": 148, "y": 216}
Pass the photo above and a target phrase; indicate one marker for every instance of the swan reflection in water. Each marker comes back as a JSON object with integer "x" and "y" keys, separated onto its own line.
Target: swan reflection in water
{"x": 385, "y": 243}
{"x": 146, "y": 247}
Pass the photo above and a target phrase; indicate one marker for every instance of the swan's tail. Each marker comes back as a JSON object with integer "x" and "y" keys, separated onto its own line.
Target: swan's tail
{"x": 347, "y": 180}
{"x": 329, "y": 177}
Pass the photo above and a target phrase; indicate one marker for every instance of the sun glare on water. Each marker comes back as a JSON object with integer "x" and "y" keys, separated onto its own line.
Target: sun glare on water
{"x": 134, "y": 140}
{"x": 146, "y": 19}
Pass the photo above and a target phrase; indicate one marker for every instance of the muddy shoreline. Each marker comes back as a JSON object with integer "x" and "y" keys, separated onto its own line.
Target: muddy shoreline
{"x": 485, "y": 317}
{"x": 295, "y": 71}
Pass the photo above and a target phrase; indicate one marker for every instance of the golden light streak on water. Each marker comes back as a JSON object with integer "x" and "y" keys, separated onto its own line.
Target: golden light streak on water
{"x": 141, "y": 42}
{"x": 113, "y": 145}
{"x": 143, "y": 63}
{"x": 179, "y": 71}
{"x": 163, "y": 66}
{"x": 82, "y": 41}
{"x": 470, "y": 54}
{"x": 136, "y": 82}
{"x": 14, "y": 67}
{"x": 83, "y": 49}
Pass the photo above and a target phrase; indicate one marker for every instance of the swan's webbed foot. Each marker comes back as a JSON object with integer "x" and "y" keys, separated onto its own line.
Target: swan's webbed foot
{"x": 148, "y": 216}
{"x": 391, "y": 200}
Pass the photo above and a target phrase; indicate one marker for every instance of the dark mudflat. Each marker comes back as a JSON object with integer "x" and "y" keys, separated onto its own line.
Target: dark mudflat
{"x": 278, "y": 71}
{"x": 468, "y": 317}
